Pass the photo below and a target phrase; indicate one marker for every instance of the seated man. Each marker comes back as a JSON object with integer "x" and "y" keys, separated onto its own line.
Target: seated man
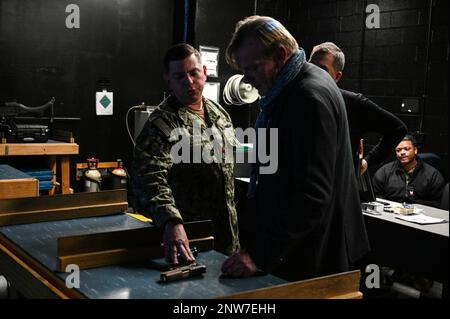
{"x": 409, "y": 179}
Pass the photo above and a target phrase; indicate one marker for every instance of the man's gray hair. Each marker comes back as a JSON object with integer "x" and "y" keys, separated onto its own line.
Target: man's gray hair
{"x": 268, "y": 31}
{"x": 334, "y": 50}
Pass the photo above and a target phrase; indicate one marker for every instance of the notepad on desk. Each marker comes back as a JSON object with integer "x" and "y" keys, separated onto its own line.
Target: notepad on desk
{"x": 421, "y": 219}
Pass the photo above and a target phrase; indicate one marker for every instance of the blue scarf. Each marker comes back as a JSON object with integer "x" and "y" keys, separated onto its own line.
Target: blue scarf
{"x": 289, "y": 71}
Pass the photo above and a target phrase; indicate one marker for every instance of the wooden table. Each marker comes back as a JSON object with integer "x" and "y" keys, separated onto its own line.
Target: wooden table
{"x": 34, "y": 236}
{"x": 56, "y": 151}
{"x": 16, "y": 184}
{"x": 30, "y": 265}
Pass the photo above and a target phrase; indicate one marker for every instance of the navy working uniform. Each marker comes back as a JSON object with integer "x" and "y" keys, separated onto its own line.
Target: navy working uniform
{"x": 169, "y": 191}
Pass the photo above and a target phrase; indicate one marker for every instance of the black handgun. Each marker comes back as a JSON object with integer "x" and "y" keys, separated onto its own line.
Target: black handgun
{"x": 182, "y": 272}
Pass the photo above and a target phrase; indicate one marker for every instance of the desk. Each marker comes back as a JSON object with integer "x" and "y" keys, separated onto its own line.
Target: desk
{"x": 56, "y": 151}
{"x": 28, "y": 259}
{"x": 37, "y": 242}
{"x": 419, "y": 249}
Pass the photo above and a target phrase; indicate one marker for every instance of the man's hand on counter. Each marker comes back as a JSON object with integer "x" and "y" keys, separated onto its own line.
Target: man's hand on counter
{"x": 176, "y": 244}
{"x": 239, "y": 265}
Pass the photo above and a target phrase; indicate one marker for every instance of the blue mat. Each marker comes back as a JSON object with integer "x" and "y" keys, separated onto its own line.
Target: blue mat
{"x": 40, "y": 174}
{"x": 9, "y": 172}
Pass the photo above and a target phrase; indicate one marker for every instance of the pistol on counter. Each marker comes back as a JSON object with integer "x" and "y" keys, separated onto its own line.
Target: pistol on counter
{"x": 182, "y": 272}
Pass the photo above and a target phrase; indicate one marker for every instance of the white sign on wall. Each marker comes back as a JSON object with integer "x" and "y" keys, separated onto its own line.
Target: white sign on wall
{"x": 104, "y": 103}
{"x": 210, "y": 58}
{"x": 211, "y": 91}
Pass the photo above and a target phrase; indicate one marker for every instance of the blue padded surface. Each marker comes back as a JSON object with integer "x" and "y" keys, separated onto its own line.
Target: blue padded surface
{"x": 45, "y": 185}
{"x": 127, "y": 281}
{"x": 40, "y": 174}
{"x": 9, "y": 172}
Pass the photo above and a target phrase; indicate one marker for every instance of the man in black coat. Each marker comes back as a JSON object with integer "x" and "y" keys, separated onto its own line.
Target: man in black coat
{"x": 409, "y": 179}
{"x": 309, "y": 221}
{"x": 363, "y": 115}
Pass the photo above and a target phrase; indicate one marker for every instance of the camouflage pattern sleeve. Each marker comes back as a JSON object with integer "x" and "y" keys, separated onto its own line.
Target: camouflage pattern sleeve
{"x": 151, "y": 165}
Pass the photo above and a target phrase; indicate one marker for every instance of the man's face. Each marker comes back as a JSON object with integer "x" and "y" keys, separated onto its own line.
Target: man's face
{"x": 406, "y": 152}
{"x": 186, "y": 78}
{"x": 259, "y": 71}
{"x": 326, "y": 62}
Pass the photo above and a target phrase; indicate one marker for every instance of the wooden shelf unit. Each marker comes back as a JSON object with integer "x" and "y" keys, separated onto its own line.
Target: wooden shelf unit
{"x": 56, "y": 151}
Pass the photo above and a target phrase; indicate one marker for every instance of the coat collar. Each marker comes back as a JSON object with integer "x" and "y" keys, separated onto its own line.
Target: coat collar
{"x": 399, "y": 168}
{"x": 184, "y": 113}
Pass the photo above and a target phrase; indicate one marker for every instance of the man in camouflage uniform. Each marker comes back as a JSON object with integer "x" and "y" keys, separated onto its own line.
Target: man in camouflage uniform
{"x": 171, "y": 191}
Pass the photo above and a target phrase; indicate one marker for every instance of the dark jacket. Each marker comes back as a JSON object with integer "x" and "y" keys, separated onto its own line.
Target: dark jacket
{"x": 426, "y": 182}
{"x": 309, "y": 220}
{"x": 365, "y": 116}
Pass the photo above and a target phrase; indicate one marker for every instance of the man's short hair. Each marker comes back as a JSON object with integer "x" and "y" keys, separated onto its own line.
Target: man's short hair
{"x": 179, "y": 52}
{"x": 411, "y": 138}
{"x": 334, "y": 50}
{"x": 268, "y": 31}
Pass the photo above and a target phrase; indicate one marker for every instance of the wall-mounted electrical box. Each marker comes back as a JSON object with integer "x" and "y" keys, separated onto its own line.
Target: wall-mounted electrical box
{"x": 140, "y": 118}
